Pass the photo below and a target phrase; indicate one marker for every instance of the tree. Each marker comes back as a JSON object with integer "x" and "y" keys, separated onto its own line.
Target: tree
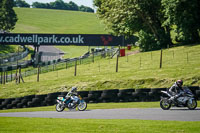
{"x": 8, "y": 18}
{"x": 185, "y": 15}
{"x": 85, "y": 9}
{"x": 58, "y": 4}
{"x": 73, "y": 6}
{"x": 136, "y": 16}
{"x": 21, "y": 3}
{"x": 41, "y": 5}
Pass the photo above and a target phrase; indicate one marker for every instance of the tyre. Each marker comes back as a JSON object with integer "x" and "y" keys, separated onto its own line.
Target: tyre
{"x": 144, "y": 90}
{"x": 126, "y": 91}
{"x": 19, "y": 105}
{"x": 192, "y": 105}
{"x": 41, "y": 97}
{"x": 164, "y": 104}
{"x": 82, "y": 105}
{"x": 83, "y": 93}
{"x": 198, "y": 94}
{"x": 111, "y": 91}
{"x": 59, "y": 107}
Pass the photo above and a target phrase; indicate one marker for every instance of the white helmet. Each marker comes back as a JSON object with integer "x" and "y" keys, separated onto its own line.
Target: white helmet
{"x": 74, "y": 89}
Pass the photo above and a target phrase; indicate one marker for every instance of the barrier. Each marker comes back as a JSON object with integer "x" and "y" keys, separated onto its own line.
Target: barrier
{"x": 99, "y": 96}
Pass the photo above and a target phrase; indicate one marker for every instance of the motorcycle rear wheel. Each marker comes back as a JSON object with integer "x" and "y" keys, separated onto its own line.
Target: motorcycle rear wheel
{"x": 164, "y": 104}
{"x": 59, "y": 107}
{"x": 192, "y": 105}
{"x": 82, "y": 106}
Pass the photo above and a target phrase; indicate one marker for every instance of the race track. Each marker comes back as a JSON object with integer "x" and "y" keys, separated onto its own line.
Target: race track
{"x": 175, "y": 114}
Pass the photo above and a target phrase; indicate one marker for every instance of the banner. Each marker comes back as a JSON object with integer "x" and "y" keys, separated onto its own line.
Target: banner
{"x": 61, "y": 39}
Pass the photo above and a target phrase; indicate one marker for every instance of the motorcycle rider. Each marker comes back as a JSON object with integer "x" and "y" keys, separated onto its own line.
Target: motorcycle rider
{"x": 73, "y": 95}
{"x": 176, "y": 90}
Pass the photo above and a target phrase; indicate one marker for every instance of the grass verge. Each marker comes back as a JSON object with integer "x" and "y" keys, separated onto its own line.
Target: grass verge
{"x": 135, "y": 71}
{"x": 49, "y": 125}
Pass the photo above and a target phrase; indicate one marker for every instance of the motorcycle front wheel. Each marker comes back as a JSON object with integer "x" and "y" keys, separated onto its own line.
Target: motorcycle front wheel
{"x": 192, "y": 104}
{"x": 82, "y": 105}
{"x": 165, "y": 104}
{"x": 59, "y": 107}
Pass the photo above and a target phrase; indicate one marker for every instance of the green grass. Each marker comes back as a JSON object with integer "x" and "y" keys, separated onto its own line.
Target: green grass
{"x": 49, "y": 125}
{"x": 135, "y": 71}
{"x": 32, "y": 20}
{"x": 8, "y": 49}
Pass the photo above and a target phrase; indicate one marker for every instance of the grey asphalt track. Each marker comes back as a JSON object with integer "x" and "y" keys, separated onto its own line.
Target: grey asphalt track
{"x": 176, "y": 114}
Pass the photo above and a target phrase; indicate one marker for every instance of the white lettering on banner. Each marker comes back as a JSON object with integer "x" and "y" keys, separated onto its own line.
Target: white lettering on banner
{"x": 37, "y": 39}
{"x": 81, "y": 39}
{"x": 1, "y": 39}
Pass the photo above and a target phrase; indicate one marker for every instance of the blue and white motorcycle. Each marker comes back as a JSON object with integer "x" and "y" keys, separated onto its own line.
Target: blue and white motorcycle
{"x": 63, "y": 103}
{"x": 186, "y": 100}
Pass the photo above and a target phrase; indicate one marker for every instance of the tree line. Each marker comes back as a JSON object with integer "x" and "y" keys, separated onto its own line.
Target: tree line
{"x": 157, "y": 23}
{"x": 58, "y": 4}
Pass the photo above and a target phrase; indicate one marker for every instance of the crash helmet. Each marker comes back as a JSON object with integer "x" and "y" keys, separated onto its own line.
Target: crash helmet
{"x": 179, "y": 83}
{"x": 74, "y": 89}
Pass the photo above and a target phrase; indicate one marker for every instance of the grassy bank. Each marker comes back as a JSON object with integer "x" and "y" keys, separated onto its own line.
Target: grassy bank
{"x": 135, "y": 71}
{"x": 32, "y": 20}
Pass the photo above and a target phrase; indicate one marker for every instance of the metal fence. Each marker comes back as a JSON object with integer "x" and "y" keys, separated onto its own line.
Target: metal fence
{"x": 9, "y": 73}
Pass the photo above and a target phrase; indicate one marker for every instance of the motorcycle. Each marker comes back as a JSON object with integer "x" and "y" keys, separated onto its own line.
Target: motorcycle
{"x": 187, "y": 99}
{"x": 63, "y": 103}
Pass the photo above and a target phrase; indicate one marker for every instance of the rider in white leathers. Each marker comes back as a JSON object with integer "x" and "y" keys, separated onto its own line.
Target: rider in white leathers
{"x": 176, "y": 90}
{"x": 73, "y": 95}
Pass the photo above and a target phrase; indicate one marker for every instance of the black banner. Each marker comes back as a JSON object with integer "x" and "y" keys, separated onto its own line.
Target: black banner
{"x": 61, "y": 39}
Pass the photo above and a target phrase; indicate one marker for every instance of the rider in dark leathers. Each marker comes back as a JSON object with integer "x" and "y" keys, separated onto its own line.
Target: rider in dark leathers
{"x": 176, "y": 90}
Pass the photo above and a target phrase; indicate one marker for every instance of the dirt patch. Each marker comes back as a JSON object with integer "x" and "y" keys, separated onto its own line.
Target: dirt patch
{"x": 133, "y": 52}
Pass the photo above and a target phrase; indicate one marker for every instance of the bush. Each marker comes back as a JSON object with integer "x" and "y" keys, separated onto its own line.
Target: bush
{"x": 147, "y": 41}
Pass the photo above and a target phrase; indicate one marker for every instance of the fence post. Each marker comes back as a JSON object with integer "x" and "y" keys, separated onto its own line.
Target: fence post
{"x": 4, "y": 78}
{"x": 20, "y": 75}
{"x": 117, "y": 59}
{"x": 93, "y": 56}
{"x": 75, "y": 67}
{"x": 38, "y": 74}
{"x": 1, "y": 77}
{"x": 161, "y": 58}
{"x": 11, "y": 76}
{"x": 66, "y": 64}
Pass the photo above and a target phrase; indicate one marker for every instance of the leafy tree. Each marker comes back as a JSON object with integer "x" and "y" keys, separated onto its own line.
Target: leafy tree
{"x": 21, "y": 3}
{"x": 41, "y": 5}
{"x": 8, "y": 18}
{"x": 60, "y": 4}
{"x": 73, "y": 6}
{"x": 136, "y": 16}
{"x": 85, "y": 9}
{"x": 185, "y": 14}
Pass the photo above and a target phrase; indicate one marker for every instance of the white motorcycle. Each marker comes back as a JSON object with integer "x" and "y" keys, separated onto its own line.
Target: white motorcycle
{"x": 187, "y": 99}
{"x": 63, "y": 103}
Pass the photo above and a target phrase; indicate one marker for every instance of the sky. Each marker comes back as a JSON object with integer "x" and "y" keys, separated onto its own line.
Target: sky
{"x": 88, "y": 3}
